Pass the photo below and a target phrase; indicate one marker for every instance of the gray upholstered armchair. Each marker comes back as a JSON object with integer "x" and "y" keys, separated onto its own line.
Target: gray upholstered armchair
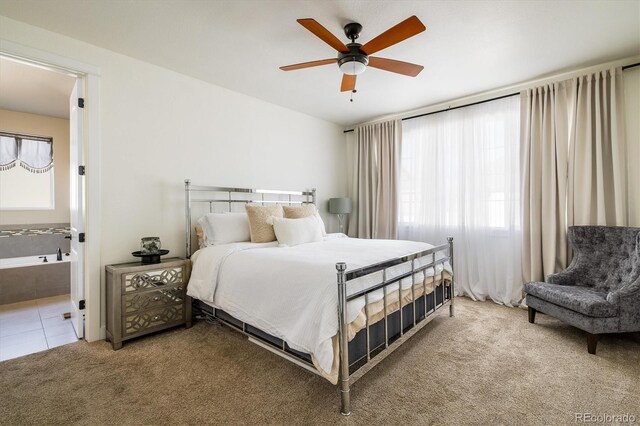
{"x": 600, "y": 291}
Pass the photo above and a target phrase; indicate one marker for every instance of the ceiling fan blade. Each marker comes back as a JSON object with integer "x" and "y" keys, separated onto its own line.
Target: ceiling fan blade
{"x": 308, "y": 64}
{"x": 348, "y": 83}
{"x": 324, "y": 34}
{"x": 399, "y": 67}
{"x": 405, "y": 29}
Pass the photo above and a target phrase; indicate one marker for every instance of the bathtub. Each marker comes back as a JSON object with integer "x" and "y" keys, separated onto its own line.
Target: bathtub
{"x": 19, "y": 262}
{"x": 28, "y": 278}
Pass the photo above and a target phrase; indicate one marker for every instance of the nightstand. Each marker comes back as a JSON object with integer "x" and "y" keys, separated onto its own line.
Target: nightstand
{"x": 142, "y": 299}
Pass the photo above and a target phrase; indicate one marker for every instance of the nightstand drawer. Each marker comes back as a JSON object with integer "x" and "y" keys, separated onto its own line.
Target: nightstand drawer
{"x": 154, "y": 278}
{"x": 139, "y": 301}
{"x": 142, "y": 321}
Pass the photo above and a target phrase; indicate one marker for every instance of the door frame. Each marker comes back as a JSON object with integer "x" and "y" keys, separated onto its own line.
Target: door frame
{"x": 90, "y": 77}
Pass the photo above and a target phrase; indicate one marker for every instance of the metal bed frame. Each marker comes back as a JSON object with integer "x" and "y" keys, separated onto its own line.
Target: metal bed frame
{"x": 380, "y": 338}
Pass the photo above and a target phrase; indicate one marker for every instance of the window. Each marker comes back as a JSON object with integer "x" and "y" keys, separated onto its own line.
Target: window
{"x": 465, "y": 162}
{"x": 26, "y": 172}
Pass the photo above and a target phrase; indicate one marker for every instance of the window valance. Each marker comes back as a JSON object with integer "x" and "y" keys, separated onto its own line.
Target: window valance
{"x": 33, "y": 153}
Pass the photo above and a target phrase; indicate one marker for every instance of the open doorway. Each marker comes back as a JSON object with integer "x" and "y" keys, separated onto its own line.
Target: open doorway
{"x": 41, "y": 208}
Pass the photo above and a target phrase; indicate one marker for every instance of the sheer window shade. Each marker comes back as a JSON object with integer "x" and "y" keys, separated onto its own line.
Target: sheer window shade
{"x": 459, "y": 176}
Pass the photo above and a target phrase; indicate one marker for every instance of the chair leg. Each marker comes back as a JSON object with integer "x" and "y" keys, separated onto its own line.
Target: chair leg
{"x": 592, "y": 342}
{"x": 532, "y": 315}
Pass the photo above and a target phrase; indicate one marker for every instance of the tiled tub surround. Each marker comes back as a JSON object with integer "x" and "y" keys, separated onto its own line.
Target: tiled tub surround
{"x": 28, "y": 278}
{"x": 33, "y": 239}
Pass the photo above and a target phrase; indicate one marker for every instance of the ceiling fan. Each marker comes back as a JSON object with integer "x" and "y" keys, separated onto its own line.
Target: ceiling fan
{"x": 353, "y": 58}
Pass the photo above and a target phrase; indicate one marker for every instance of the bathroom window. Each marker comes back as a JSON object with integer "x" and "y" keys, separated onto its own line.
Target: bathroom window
{"x": 26, "y": 172}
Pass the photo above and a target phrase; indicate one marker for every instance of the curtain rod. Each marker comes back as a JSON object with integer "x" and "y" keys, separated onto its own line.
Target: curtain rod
{"x": 626, "y": 67}
{"x": 462, "y": 106}
{"x": 26, "y": 136}
{"x": 451, "y": 108}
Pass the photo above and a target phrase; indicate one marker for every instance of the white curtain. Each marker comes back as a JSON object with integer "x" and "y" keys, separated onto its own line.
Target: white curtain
{"x": 33, "y": 154}
{"x": 459, "y": 177}
{"x": 36, "y": 155}
{"x": 8, "y": 152}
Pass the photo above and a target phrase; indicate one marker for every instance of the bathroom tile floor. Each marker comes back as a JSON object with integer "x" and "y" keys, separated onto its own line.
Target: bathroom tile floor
{"x": 34, "y": 326}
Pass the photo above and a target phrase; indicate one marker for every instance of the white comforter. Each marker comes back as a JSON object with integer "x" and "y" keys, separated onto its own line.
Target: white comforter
{"x": 291, "y": 292}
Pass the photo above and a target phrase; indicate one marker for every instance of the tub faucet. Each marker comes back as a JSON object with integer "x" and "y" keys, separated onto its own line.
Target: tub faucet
{"x": 44, "y": 259}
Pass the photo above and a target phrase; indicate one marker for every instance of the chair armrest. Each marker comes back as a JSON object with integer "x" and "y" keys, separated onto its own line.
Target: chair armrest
{"x": 628, "y": 301}
{"x": 566, "y": 277}
{"x": 629, "y": 291}
{"x": 561, "y": 278}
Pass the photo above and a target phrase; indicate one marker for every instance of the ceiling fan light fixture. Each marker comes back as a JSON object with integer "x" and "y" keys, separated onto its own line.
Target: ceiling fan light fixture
{"x": 352, "y": 67}
{"x": 353, "y": 64}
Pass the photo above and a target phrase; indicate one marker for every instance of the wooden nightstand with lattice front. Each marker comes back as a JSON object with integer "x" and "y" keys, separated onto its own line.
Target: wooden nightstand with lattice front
{"x": 142, "y": 299}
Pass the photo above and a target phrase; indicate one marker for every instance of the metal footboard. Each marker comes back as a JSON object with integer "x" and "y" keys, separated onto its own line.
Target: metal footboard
{"x": 406, "y": 330}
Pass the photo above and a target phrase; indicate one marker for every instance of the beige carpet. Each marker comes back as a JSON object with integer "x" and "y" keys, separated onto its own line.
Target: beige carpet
{"x": 487, "y": 365}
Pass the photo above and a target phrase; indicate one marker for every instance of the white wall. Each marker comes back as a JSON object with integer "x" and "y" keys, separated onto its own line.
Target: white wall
{"x": 159, "y": 127}
{"x": 58, "y": 128}
{"x": 632, "y": 112}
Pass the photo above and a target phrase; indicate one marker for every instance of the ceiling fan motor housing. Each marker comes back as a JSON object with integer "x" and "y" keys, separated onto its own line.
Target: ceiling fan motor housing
{"x": 346, "y": 60}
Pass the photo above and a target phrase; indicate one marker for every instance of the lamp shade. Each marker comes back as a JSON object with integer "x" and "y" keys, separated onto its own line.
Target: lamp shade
{"x": 340, "y": 205}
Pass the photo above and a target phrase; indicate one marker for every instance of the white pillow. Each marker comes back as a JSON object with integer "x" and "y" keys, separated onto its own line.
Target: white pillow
{"x": 292, "y": 232}
{"x": 323, "y": 228}
{"x": 225, "y": 228}
{"x": 304, "y": 210}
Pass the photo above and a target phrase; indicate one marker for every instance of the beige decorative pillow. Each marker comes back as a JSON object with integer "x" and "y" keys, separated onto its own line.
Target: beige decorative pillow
{"x": 261, "y": 231}
{"x": 298, "y": 212}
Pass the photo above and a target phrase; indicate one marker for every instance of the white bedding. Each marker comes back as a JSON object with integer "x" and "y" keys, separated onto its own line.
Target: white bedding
{"x": 291, "y": 292}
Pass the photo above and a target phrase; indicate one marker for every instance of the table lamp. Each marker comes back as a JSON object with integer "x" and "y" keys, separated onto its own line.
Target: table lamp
{"x": 340, "y": 207}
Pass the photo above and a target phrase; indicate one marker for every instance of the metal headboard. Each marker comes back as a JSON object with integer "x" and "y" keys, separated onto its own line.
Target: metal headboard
{"x": 217, "y": 195}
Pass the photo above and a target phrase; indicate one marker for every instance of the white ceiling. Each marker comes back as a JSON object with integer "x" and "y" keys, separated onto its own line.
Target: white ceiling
{"x": 35, "y": 90}
{"x": 468, "y": 47}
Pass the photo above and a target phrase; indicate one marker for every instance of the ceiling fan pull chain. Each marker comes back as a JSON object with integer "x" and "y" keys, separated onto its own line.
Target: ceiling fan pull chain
{"x": 352, "y": 92}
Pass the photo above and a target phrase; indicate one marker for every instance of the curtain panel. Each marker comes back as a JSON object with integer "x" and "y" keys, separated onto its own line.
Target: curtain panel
{"x": 546, "y": 133}
{"x": 374, "y": 152}
{"x": 573, "y": 164}
{"x": 598, "y": 186}
{"x": 34, "y": 154}
{"x": 460, "y": 177}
